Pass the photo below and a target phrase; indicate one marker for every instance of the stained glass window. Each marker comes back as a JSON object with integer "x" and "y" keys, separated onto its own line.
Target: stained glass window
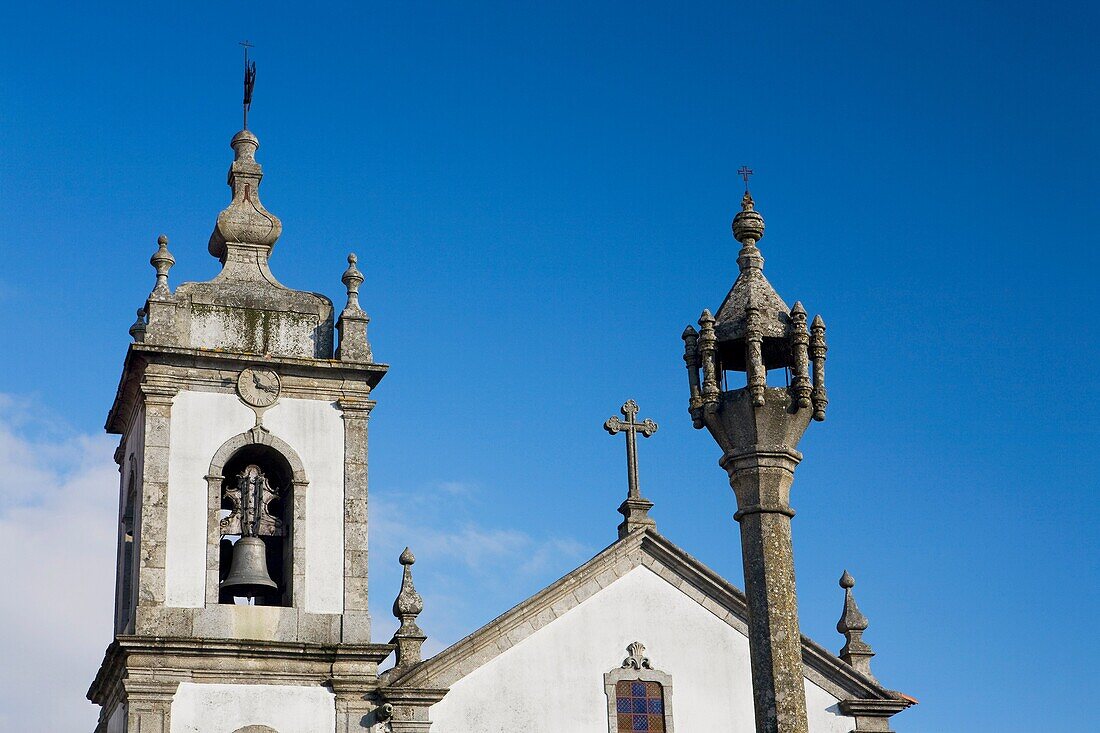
{"x": 639, "y": 706}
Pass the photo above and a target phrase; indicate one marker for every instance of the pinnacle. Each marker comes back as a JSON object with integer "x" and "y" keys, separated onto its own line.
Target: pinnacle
{"x": 847, "y": 581}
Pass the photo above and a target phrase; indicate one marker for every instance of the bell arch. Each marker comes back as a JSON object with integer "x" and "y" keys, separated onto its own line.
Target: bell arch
{"x": 288, "y": 469}
{"x": 256, "y": 729}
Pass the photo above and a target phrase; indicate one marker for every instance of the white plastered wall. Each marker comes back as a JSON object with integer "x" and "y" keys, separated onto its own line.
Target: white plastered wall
{"x": 552, "y": 681}
{"x": 216, "y": 708}
{"x": 315, "y": 429}
{"x": 201, "y": 423}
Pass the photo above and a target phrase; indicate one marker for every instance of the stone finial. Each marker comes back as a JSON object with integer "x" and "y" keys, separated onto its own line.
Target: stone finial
{"x": 245, "y": 221}
{"x": 352, "y": 279}
{"x": 856, "y": 652}
{"x": 748, "y": 229}
{"x": 817, "y": 352}
{"x": 748, "y": 224}
{"x": 800, "y": 362}
{"x": 137, "y": 331}
{"x": 162, "y": 261}
{"x": 353, "y": 321}
{"x": 691, "y": 360}
{"x": 406, "y": 607}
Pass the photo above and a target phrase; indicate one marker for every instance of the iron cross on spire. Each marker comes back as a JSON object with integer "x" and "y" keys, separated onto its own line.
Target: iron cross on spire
{"x": 249, "y": 80}
{"x": 631, "y": 427}
{"x": 745, "y": 172}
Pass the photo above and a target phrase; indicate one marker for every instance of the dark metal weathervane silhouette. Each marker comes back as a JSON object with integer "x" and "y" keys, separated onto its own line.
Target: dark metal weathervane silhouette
{"x": 249, "y": 81}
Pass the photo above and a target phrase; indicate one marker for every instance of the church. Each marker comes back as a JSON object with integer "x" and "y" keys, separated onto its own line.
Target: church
{"x": 241, "y": 587}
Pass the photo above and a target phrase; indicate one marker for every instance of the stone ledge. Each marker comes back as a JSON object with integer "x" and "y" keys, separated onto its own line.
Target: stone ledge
{"x": 157, "y": 658}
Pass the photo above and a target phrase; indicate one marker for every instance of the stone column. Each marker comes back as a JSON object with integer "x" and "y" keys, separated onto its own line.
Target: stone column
{"x": 760, "y": 458}
{"x": 153, "y": 530}
{"x": 356, "y": 620}
{"x": 149, "y": 704}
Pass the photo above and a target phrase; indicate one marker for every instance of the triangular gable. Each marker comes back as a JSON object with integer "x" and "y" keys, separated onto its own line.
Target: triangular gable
{"x": 644, "y": 547}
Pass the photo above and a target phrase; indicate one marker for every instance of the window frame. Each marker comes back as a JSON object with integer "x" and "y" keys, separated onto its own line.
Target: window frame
{"x": 636, "y": 667}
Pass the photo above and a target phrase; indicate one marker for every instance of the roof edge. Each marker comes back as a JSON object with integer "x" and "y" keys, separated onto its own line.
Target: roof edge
{"x": 715, "y": 593}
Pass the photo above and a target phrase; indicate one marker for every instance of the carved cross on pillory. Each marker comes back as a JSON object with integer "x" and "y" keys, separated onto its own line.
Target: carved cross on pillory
{"x": 635, "y": 509}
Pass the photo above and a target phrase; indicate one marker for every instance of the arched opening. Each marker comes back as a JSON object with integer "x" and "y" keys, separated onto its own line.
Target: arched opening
{"x": 256, "y": 507}
{"x": 127, "y": 527}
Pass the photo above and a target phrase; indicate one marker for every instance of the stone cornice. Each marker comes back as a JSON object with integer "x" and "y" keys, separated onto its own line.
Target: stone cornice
{"x": 876, "y": 708}
{"x": 233, "y": 660}
{"x": 208, "y": 370}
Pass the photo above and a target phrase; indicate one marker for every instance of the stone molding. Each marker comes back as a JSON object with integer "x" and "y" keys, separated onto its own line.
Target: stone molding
{"x": 405, "y": 708}
{"x": 143, "y": 672}
{"x": 178, "y": 368}
{"x": 873, "y": 716}
{"x": 636, "y": 667}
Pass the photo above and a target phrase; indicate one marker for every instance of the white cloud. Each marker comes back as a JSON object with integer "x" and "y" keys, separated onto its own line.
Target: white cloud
{"x": 58, "y": 502}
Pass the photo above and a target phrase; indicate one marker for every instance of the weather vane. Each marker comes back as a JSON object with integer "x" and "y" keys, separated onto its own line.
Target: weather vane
{"x": 249, "y": 81}
{"x": 744, "y": 171}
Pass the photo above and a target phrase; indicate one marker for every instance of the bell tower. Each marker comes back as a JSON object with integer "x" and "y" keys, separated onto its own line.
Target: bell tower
{"x": 241, "y": 595}
{"x": 758, "y": 428}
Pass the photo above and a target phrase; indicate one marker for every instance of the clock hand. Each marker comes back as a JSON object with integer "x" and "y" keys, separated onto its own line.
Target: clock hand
{"x": 261, "y": 386}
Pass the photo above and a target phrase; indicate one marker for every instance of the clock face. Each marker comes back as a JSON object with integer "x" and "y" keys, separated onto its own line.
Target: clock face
{"x": 258, "y": 387}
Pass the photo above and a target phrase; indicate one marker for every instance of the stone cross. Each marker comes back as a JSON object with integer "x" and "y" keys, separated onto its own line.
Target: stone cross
{"x": 631, "y": 427}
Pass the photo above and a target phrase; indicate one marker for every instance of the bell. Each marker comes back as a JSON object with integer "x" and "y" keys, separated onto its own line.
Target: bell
{"x": 248, "y": 574}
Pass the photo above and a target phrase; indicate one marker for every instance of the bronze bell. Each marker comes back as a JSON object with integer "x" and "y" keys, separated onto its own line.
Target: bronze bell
{"x": 248, "y": 574}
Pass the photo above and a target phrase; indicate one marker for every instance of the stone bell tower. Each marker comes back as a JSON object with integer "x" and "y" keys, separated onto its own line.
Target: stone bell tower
{"x": 241, "y": 598}
{"x": 758, "y": 428}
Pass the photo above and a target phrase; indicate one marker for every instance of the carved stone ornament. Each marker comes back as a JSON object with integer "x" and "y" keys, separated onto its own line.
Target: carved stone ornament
{"x": 637, "y": 668}
{"x": 259, "y": 387}
{"x": 637, "y": 658}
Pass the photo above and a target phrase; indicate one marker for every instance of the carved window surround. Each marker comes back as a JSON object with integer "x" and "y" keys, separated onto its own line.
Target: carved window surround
{"x": 636, "y": 667}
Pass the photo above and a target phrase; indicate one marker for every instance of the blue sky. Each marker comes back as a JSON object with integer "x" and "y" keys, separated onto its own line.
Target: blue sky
{"x": 540, "y": 199}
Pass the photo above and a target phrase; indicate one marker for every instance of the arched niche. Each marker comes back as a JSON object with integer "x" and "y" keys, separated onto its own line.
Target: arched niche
{"x": 261, "y": 447}
{"x": 256, "y": 729}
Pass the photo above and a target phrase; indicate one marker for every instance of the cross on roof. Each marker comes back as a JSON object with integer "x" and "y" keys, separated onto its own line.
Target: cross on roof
{"x": 631, "y": 427}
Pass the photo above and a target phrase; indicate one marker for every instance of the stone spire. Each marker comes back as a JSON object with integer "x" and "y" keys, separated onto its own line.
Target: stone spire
{"x": 352, "y": 325}
{"x": 406, "y": 607}
{"x": 758, "y": 429}
{"x": 245, "y": 232}
{"x": 852, "y": 624}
